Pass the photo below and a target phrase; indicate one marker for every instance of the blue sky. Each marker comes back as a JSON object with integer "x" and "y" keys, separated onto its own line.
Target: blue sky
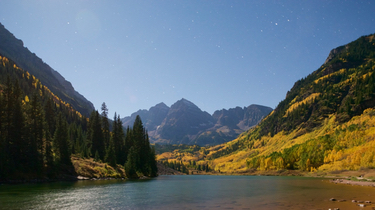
{"x": 217, "y": 54}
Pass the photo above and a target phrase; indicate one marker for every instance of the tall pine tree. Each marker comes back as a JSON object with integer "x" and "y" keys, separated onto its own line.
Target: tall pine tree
{"x": 118, "y": 140}
{"x": 105, "y": 125}
{"x": 60, "y": 141}
{"x": 35, "y": 131}
{"x": 95, "y": 136}
{"x": 140, "y": 155}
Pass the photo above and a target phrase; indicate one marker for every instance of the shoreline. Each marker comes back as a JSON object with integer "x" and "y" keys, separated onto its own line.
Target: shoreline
{"x": 359, "y": 178}
{"x": 352, "y": 182}
{"x": 365, "y": 177}
{"x": 62, "y": 179}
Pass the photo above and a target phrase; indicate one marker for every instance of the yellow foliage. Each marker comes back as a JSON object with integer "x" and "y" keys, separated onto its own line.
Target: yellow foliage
{"x": 268, "y": 164}
{"x": 341, "y": 71}
{"x": 91, "y": 168}
{"x": 307, "y": 100}
{"x": 27, "y": 99}
{"x": 367, "y": 75}
{"x": 357, "y": 147}
{"x": 280, "y": 163}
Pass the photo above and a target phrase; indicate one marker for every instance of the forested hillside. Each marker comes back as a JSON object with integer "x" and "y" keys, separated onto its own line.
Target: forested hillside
{"x": 326, "y": 121}
{"x": 325, "y": 118}
{"x": 40, "y": 133}
{"x": 13, "y": 49}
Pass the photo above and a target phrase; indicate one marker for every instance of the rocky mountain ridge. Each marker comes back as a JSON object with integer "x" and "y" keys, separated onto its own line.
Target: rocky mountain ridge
{"x": 186, "y": 123}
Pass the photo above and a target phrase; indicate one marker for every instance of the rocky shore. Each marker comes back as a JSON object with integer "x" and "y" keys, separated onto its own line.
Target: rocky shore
{"x": 358, "y": 203}
{"x": 352, "y": 182}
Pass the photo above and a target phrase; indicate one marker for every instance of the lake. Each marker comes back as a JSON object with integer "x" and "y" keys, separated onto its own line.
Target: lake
{"x": 186, "y": 192}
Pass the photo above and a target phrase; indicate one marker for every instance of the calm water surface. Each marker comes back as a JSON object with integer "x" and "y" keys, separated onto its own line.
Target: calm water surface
{"x": 186, "y": 192}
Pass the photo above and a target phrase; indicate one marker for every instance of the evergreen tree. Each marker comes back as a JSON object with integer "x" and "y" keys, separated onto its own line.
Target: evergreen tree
{"x": 60, "y": 141}
{"x": 137, "y": 140}
{"x": 153, "y": 163}
{"x": 128, "y": 142}
{"x": 72, "y": 136}
{"x": 35, "y": 134}
{"x": 110, "y": 157}
{"x": 49, "y": 115}
{"x": 48, "y": 156}
{"x": 118, "y": 140}
{"x": 141, "y": 145}
{"x": 97, "y": 156}
{"x": 105, "y": 125}
{"x": 131, "y": 164}
{"x": 16, "y": 128}
{"x": 95, "y": 136}
{"x": 79, "y": 141}
{"x": 3, "y": 144}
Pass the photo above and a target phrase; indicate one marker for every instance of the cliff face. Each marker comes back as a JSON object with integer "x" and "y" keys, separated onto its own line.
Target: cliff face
{"x": 333, "y": 54}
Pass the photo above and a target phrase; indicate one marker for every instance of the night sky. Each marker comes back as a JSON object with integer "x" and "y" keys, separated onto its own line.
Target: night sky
{"x": 217, "y": 54}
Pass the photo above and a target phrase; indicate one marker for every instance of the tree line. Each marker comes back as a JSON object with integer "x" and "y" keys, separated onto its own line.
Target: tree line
{"x": 184, "y": 168}
{"x": 39, "y": 133}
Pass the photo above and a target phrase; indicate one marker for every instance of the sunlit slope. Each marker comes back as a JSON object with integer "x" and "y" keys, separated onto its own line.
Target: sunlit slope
{"x": 326, "y": 119}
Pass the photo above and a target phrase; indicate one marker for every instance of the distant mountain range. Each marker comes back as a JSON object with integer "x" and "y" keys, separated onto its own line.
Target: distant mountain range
{"x": 13, "y": 48}
{"x": 186, "y": 123}
{"x": 182, "y": 123}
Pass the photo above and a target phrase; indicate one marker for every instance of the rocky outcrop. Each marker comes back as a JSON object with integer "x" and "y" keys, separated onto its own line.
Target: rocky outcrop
{"x": 333, "y": 53}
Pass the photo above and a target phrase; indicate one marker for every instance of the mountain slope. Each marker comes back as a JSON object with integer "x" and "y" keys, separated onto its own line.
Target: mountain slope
{"x": 13, "y": 48}
{"x": 151, "y": 118}
{"x": 230, "y": 123}
{"x": 185, "y": 123}
{"x": 328, "y": 112}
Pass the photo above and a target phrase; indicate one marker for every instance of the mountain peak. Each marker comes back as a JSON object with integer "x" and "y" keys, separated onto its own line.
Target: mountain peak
{"x": 184, "y": 102}
{"x": 161, "y": 105}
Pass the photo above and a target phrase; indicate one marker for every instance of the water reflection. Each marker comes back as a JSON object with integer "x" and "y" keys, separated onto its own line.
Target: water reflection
{"x": 185, "y": 192}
